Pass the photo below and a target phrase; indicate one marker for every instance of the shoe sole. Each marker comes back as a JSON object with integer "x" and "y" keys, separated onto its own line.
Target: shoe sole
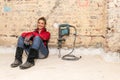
{"x": 21, "y": 67}
{"x": 13, "y": 66}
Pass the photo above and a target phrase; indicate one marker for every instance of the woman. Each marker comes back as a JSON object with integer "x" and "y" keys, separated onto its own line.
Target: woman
{"x": 34, "y": 43}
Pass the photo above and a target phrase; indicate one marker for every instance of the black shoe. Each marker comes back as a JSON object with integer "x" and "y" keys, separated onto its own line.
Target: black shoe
{"x": 26, "y": 65}
{"x": 16, "y": 63}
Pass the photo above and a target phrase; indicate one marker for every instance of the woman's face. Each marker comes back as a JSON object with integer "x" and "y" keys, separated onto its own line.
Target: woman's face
{"x": 40, "y": 24}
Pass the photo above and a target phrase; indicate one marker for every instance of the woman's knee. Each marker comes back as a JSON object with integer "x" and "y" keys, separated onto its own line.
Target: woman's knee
{"x": 20, "y": 42}
{"x": 20, "y": 37}
{"x": 37, "y": 38}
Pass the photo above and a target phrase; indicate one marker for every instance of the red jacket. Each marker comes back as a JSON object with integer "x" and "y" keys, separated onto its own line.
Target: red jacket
{"x": 44, "y": 35}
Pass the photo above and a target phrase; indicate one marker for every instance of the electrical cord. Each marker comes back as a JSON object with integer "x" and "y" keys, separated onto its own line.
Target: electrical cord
{"x": 70, "y": 56}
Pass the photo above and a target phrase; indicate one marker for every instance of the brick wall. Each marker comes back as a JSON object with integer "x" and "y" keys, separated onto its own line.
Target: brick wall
{"x": 88, "y": 16}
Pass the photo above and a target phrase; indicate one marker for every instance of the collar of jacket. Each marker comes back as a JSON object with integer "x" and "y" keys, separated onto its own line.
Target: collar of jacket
{"x": 42, "y": 30}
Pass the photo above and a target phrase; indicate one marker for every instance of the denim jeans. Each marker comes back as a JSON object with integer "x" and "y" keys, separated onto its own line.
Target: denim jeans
{"x": 37, "y": 44}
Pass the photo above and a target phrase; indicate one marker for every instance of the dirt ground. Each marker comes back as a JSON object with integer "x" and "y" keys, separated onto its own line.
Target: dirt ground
{"x": 89, "y": 67}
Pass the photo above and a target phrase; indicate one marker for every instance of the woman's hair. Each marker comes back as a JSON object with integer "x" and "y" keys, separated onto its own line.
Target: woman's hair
{"x": 42, "y": 18}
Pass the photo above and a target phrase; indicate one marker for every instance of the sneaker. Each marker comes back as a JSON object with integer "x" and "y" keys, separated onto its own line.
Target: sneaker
{"x": 26, "y": 65}
{"x": 16, "y": 63}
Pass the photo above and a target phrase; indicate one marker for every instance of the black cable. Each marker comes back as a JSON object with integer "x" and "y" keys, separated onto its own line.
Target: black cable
{"x": 70, "y": 56}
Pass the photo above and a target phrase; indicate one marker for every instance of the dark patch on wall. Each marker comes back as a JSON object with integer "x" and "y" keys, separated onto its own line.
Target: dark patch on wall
{"x": 5, "y": 25}
{"x": 93, "y": 17}
{"x": 16, "y": 36}
{"x": 8, "y": 0}
{"x": 3, "y": 35}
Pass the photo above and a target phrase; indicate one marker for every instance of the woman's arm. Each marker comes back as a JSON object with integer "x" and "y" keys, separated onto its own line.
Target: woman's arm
{"x": 26, "y": 34}
{"x": 45, "y": 36}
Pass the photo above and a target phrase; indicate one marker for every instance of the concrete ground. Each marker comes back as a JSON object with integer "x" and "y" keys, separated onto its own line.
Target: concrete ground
{"x": 89, "y": 67}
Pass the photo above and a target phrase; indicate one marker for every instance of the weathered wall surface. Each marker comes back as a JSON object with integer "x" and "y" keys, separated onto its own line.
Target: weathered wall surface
{"x": 113, "y": 33}
{"x": 88, "y": 16}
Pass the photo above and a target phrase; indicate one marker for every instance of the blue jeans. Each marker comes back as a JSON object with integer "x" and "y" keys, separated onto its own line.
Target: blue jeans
{"x": 37, "y": 44}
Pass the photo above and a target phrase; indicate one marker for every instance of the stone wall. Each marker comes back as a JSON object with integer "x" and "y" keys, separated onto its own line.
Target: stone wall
{"x": 88, "y": 16}
{"x": 113, "y": 25}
